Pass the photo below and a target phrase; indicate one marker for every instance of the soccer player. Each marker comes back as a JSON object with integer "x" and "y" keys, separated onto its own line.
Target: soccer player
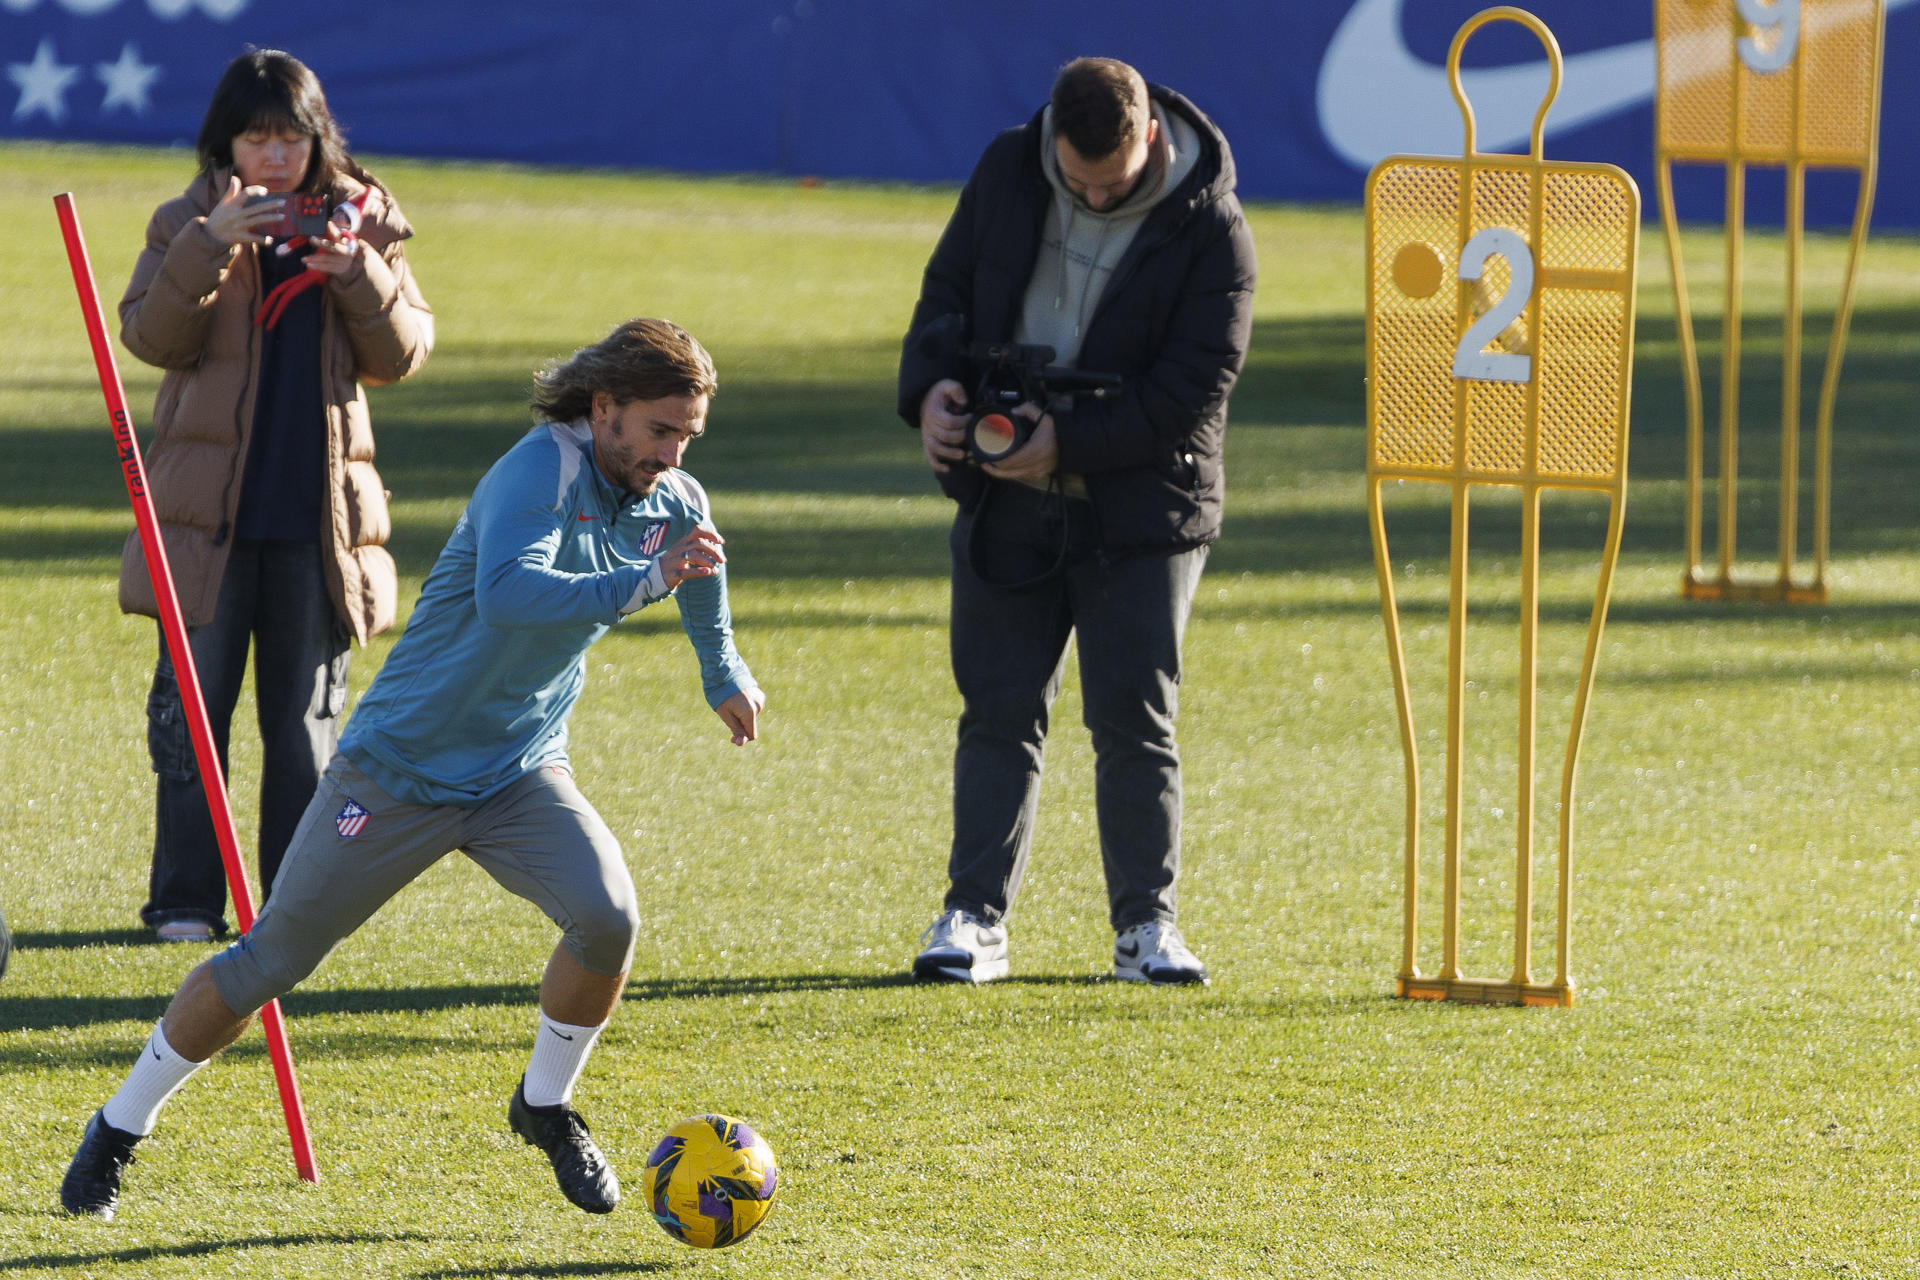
{"x": 461, "y": 742}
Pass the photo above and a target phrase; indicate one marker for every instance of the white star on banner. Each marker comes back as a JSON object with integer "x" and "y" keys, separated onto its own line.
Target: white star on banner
{"x": 127, "y": 81}
{"x": 43, "y": 84}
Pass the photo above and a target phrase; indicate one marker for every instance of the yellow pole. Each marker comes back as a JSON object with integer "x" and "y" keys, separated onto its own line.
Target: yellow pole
{"x": 1529, "y": 675}
{"x": 1690, "y": 372}
{"x": 1790, "y": 376}
{"x": 1603, "y": 591}
{"x": 1830, "y": 380}
{"x": 1409, "y": 746}
{"x": 1730, "y": 368}
{"x": 1456, "y": 731}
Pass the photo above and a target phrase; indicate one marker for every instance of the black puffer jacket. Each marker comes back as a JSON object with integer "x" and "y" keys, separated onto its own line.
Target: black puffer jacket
{"x": 1174, "y": 322}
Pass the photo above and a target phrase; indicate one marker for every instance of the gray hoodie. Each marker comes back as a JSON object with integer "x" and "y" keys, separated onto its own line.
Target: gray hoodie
{"x": 1079, "y": 247}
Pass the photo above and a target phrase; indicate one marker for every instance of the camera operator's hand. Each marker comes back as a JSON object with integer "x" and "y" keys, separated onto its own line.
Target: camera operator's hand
{"x": 697, "y": 555}
{"x": 943, "y": 423}
{"x": 234, "y": 221}
{"x": 337, "y": 253}
{"x": 1037, "y": 459}
{"x": 742, "y": 715}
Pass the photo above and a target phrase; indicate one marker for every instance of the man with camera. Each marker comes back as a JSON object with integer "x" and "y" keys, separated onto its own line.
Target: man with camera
{"x": 1102, "y": 237}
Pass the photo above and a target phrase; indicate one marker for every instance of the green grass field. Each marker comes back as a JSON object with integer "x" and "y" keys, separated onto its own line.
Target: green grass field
{"x": 1733, "y": 1095}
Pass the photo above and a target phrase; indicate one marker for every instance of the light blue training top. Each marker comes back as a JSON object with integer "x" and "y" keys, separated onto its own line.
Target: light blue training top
{"x": 547, "y": 556}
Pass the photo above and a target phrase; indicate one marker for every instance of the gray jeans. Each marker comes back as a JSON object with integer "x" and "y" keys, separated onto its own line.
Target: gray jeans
{"x": 1028, "y": 578}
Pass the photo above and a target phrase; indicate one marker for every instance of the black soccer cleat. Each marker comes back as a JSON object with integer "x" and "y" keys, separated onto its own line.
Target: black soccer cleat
{"x": 584, "y": 1175}
{"x": 92, "y": 1184}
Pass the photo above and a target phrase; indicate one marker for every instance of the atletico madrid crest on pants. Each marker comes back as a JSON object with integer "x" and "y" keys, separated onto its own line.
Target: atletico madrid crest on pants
{"x": 351, "y": 820}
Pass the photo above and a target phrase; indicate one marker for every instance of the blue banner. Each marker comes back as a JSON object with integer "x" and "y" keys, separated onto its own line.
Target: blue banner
{"x": 1311, "y": 93}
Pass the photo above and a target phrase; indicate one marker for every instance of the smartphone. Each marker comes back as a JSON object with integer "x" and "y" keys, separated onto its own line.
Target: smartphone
{"x": 300, "y": 215}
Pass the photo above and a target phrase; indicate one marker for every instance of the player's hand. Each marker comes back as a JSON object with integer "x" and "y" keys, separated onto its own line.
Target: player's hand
{"x": 698, "y": 555}
{"x": 1037, "y": 459}
{"x": 742, "y": 715}
{"x": 943, "y": 423}
{"x": 234, "y": 221}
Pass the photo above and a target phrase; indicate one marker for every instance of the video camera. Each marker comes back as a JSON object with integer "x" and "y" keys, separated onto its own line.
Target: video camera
{"x": 1007, "y": 375}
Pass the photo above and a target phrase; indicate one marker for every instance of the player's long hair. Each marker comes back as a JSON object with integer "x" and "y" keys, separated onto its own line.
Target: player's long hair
{"x": 271, "y": 90}
{"x": 639, "y": 360}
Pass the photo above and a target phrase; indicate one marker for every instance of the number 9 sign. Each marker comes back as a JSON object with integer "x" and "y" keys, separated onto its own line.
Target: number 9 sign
{"x": 1788, "y": 84}
{"x": 1768, "y": 81}
{"x": 1775, "y": 33}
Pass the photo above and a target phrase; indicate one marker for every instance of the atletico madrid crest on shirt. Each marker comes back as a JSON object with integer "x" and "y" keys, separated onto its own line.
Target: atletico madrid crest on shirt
{"x": 652, "y": 540}
{"x": 351, "y": 820}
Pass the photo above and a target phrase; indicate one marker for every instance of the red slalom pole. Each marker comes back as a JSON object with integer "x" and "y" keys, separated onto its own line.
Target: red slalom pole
{"x": 175, "y": 628}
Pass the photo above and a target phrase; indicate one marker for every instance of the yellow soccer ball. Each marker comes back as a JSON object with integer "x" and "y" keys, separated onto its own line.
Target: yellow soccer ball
{"x": 711, "y": 1181}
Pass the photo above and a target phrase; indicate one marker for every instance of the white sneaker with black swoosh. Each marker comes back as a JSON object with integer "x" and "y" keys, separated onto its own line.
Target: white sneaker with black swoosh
{"x": 1155, "y": 952}
{"x": 961, "y": 947}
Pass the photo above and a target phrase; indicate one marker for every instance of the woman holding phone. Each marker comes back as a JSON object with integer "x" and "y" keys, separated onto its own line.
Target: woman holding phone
{"x": 261, "y": 465}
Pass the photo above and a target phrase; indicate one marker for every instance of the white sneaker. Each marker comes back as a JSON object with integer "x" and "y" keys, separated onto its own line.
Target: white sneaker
{"x": 961, "y": 947}
{"x": 185, "y": 931}
{"x": 1155, "y": 952}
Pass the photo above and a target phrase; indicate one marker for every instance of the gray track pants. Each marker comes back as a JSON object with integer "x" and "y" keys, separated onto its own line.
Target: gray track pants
{"x": 539, "y": 839}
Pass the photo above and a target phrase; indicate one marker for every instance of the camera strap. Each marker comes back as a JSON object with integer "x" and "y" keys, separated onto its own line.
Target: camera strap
{"x": 1055, "y": 495}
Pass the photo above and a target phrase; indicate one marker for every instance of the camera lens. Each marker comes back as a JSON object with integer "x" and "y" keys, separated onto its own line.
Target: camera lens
{"x": 993, "y": 436}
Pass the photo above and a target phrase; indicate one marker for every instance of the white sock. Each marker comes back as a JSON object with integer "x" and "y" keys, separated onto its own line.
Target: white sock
{"x": 156, "y": 1077}
{"x": 559, "y": 1055}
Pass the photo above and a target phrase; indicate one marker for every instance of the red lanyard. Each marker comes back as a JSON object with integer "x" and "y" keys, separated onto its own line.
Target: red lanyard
{"x": 274, "y": 305}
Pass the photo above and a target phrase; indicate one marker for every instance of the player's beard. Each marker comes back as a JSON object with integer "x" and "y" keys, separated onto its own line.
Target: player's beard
{"x": 642, "y": 481}
{"x": 635, "y": 475}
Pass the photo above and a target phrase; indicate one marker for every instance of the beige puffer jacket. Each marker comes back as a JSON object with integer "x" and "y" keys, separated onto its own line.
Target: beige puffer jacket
{"x": 189, "y": 309}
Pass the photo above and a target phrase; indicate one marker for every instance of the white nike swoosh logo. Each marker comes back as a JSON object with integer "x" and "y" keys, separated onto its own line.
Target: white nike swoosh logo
{"x": 1377, "y": 99}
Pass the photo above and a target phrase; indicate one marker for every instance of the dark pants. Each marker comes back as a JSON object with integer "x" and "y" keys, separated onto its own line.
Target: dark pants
{"x": 1009, "y": 639}
{"x": 272, "y": 597}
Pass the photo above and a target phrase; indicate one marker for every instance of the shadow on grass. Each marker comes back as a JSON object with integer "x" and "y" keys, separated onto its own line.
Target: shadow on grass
{"x": 60, "y": 1013}
{"x": 73, "y": 940}
{"x": 1498, "y": 605}
{"x": 1107, "y": 998}
{"x": 751, "y": 985}
{"x": 203, "y": 1248}
{"x": 57, "y": 1012}
{"x": 551, "y": 1269}
{"x": 1299, "y": 410}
